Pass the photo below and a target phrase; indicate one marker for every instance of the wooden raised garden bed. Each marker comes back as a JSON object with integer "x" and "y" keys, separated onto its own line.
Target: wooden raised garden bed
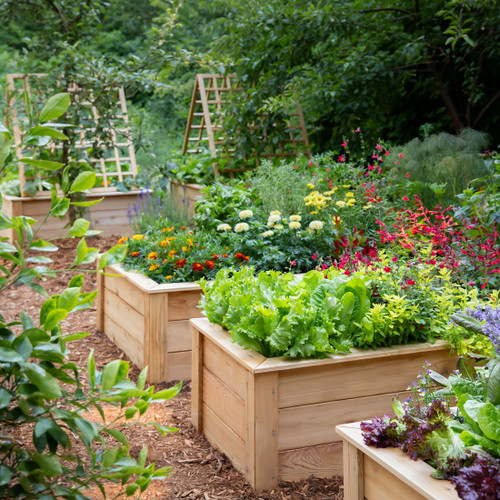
{"x": 109, "y": 216}
{"x": 386, "y": 473}
{"x": 185, "y": 196}
{"x": 275, "y": 418}
{"x": 148, "y": 321}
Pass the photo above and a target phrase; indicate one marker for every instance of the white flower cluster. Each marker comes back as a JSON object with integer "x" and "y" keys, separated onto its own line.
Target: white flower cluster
{"x": 267, "y": 233}
{"x": 274, "y": 217}
{"x": 316, "y": 225}
{"x": 245, "y": 214}
{"x": 224, "y": 227}
{"x": 294, "y": 225}
{"x": 241, "y": 227}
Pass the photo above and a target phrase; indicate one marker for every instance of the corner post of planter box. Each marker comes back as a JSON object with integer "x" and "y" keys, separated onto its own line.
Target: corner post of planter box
{"x": 100, "y": 299}
{"x": 354, "y": 485}
{"x": 155, "y": 336}
{"x": 197, "y": 380}
{"x": 262, "y": 431}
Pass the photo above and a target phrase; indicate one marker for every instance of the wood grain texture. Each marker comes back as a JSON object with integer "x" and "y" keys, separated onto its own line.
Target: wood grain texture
{"x": 100, "y": 301}
{"x": 354, "y": 484}
{"x": 322, "y": 461}
{"x": 155, "y": 336}
{"x": 197, "y": 363}
{"x": 262, "y": 436}
{"x": 356, "y": 379}
{"x": 179, "y": 336}
{"x": 224, "y": 402}
{"x": 223, "y": 438}
{"x": 125, "y": 341}
{"x": 127, "y": 291}
{"x": 309, "y": 425}
{"x": 183, "y": 305}
{"x": 178, "y": 366}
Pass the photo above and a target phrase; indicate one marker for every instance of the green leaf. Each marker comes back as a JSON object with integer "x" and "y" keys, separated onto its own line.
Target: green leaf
{"x": 47, "y": 132}
{"x": 49, "y": 464}
{"x": 76, "y": 336}
{"x": 167, "y": 393}
{"x": 76, "y": 281}
{"x": 143, "y": 455}
{"x": 110, "y": 455}
{"x": 84, "y": 254}
{"x": 488, "y": 418}
{"x": 68, "y": 300}
{"x": 59, "y": 207}
{"x": 130, "y": 412}
{"x": 55, "y": 107}
{"x": 54, "y": 317}
{"x": 114, "y": 255}
{"x": 5, "y": 397}
{"x": 493, "y": 388}
{"x": 83, "y": 182}
{"x": 111, "y": 374}
{"x": 131, "y": 489}
{"x": 39, "y": 260}
{"x": 86, "y": 203}
{"x": 43, "y": 246}
{"x": 10, "y": 356}
{"x": 43, "y": 164}
{"x": 79, "y": 228}
{"x": 5, "y": 475}
{"x": 4, "y": 151}
{"x": 45, "y": 382}
{"x": 119, "y": 436}
{"x": 88, "y": 429}
{"x": 91, "y": 369}
{"x": 141, "y": 380}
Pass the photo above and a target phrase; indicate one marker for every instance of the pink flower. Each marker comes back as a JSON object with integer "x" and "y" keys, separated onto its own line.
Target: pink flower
{"x": 344, "y": 144}
{"x": 400, "y": 155}
{"x": 396, "y": 162}
{"x": 371, "y": 167}
{"x": 407, "y": 175}
{"x": 341, "y": 158}
{"x": 409, "y": 282}
{"x": 405, "y": 198}
{"x": 387, "y": 269}
{"x": 293, "y": 263}
{"x": 357, "y": 130}
{"x": 394, "y": 259}
{"x": 313, "y": 256}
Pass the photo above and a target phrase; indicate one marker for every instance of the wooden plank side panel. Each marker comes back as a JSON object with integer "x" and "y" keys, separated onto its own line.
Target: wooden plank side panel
{"x": 179, "y": 336}
{"x": 224, "y": 402}
{"x": 224, "y": 439}
{"x": 178, "y": 366}
{"x": 309, "y": 425}
{"x": 359, "y": 378}
{"x": 124, "y": 341}
{"x": 229, "y": 371}
{"x": 183, "y": 305}
{"x": 155, "y": 336}
{"x": 197, "y": 363}
{"x": 382, "y": 485}
{"x": 127, "y": 291}
{"x": 322, "y": 461}
{"x": 124, "y": 315}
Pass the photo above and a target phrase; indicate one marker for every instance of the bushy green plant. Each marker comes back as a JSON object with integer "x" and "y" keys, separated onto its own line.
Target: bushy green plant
{"x": 442, "y": 165}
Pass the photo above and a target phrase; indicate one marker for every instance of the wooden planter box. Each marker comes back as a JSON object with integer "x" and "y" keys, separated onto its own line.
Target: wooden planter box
{"x": 275, "y": 418}
{"x": 386, "y": 473}
{"x": 109, "y": 216}
{"x": 148, "y": 321}
{"x": 185, "y": 196}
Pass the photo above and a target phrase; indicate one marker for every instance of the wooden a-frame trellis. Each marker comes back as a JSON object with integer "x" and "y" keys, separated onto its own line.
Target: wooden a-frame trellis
{"x": 119, "y": 161}
{"x": 205, "y": 122}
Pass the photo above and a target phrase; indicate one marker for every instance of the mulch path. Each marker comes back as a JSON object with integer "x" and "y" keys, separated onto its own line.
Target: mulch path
{"x": 198, "y": 470}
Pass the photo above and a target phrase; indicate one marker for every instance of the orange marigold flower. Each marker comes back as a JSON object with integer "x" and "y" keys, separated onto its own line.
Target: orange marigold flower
{"x": 138, "y": 237}
{"x": 190, "y": 242}
{"x": 135, "y": 254}
{"x": 152, "y": 255}
{"x": 197, "y": 266}
{"x": 153, "y": 267}
{"x": 185, "y": 249}
{"x": 209, "y": 264}
{"x": 166, "y": 229}
{"x": 215, "y": 256}
{"x": 180, "y": 263}
{"x": 121, "y": 241}
{"x": 183, "y": 227}
{"x": 172, "y": 238}
{"x": 163, "y": 261}
{"x": 172, "y": 252}
{"x": 169, "y": 277}
{"x": 164, "y": 243}
{"x": 241, "y": 256}
{"x": 225, "y": 255}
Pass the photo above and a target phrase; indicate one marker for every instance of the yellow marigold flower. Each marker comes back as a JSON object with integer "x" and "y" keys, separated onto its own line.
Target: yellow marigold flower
{"x": 245, "y": 214}
{"x": 347, "y": 187}
{"x": 172, "y": 252}
{"x": 185, "y": 249}
{"x": 224, "y": 227}
{"x": 294, "y": 225}
{"x": 121, "y": 241}
{"x": 349, "y": 194}
{"x": 314, "y": 213}
{"x": 336, "y": 221}
{"x": 367, "y": 207}
{"x": 270, "y": 224}
{"x": 278, "y": 226}
{"x": 172, "y": 238}
{"x": 153, "y": 267}
{"x": 274, "y": 217}
{"x": 267, "y": 233}
{"x": 316, "y": 225}
{"x": 190, "y": 242}
{"x": 152, "y": 255}
{"x": 164, "y": 243}
{"x": 169, "y": 277}
{"x": 275, "y": 212}
{"x": 351, "y": 202}
{"x": 138, "y": 237}
{"x": 164, "y": 230}
{"x": 310, "y": 186}
{"x": 241, "y": 227}
{"x": 295, "y": 218}
{"x": 340, "y": 204}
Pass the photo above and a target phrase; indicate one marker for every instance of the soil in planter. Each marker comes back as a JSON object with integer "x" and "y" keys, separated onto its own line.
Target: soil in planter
{"x": 199, "y": 471}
